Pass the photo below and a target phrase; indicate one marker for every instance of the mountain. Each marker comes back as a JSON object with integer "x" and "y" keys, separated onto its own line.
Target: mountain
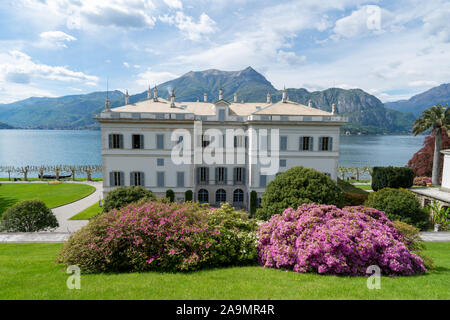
{"x": 422, "y": 101}
{"x": 5, "y": 126}
{"x": 68, "y": 112}
{"x": 366, "y": 112}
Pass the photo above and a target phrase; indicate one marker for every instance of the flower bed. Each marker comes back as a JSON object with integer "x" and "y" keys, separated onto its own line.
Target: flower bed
{"x": 422, "y": 181}
{"x": 329, "y": 240}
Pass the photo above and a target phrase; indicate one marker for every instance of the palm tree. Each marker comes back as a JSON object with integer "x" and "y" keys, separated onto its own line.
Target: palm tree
{"x": 438, "y": 119}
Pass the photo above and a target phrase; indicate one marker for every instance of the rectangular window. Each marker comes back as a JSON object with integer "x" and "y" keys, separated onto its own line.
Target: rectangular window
{"x": 160, "y": 116}
{"x": 284, "y": 118}
{"x": 306, "y": 144}
{"x": 283, "y": 143}
{"x": 239, "y": 175}
{"x": 116, "y": 141}
{"x": 326, "y": 144}
{"x": 205, "y": 141}
{"x": 221, "y": 115}
{"x": 160, "y": 162}
{"x": 239, "y": 141}
{"x": 203, "y": 175}
{"x": 282, "y": 163}
{"x": 180, "y": 179}
{"x": 116, "y": 178}
{"x": 160, "y": 179}
{"x": 262, "y": 180}
{"x": 180, "y": 116}
{"x": 221, "y": 173}
{"x": 137, "y": 141}
{"x": 159, "y": 141}
{"x": 137, "y": 179}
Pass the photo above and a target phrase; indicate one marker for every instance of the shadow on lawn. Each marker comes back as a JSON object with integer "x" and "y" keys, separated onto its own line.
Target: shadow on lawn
{"x": 5, "y": 203}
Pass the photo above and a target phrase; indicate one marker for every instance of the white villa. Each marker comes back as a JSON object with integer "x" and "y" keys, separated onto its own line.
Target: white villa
{"x": 138, "y": 141}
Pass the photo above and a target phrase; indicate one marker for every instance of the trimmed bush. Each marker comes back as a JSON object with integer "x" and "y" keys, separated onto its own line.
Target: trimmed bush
{"x": 353, "y": 196}
{"x": 170, "y": 195}
{"x": 400, "y": 204}
{"x": 295, "y": 187}
{"x": 162, "y": 236}
{"x": 392, "y": 177}
{"x": 188, "y": 195}
{"x": 28, "y": 216}
{"x": 122, "y": 196}
{"x": 412, "y": 239}
{"x": 329, "y": 240}
{"x": 253, "y": 202}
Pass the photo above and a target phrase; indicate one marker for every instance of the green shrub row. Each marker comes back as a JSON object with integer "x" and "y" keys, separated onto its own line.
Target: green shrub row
{"x": 392, "y": 177}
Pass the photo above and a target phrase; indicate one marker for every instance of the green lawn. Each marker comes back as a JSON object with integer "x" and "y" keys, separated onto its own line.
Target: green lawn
{"x": 363, "y": 186}
{"x": 88, "y": 213}
{"x": 28, "y": 271}
{"x": 52, "y": 195}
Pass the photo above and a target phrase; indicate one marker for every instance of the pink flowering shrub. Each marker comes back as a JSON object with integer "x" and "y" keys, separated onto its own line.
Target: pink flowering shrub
{"x": 329, "y": 240}
{"x": 155, "y": 236}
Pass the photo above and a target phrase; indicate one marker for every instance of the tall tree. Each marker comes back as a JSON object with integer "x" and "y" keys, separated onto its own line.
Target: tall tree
{"x": 436, "y": 118}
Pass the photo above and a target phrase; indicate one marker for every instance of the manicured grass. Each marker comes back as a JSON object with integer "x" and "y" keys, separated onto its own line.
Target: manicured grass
{"x": 350, "y": 188}
{"x": 88, "y": 213}
{"x": 363, "y": 186}
{"x": 52, "y": 195}
{"x": 28, "y": 271}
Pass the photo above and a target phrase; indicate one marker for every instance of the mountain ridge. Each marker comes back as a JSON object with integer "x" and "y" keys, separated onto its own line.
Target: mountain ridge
{"x": 367, "y": 113}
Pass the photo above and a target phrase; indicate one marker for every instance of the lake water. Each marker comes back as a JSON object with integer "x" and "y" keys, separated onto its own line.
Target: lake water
{"x": 51, "y": 147}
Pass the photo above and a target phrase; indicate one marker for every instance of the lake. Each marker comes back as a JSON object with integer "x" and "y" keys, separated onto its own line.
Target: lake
{"x": 51, "y": 147}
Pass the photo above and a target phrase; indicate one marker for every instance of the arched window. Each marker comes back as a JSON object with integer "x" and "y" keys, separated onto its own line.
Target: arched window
{"x": 203, "y": 196}
{"x": 221, "y": 196}
{"x": 238, "y": 196}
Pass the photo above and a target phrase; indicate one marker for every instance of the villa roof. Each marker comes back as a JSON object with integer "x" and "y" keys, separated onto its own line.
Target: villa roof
{"x": 208, "y": 108}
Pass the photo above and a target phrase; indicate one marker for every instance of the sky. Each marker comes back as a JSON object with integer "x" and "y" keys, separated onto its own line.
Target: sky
{"x": 391, "y": 49}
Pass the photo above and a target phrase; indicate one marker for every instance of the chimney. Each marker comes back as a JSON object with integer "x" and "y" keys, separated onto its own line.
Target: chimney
{"x": 269, "y": 99}
{"x": 235, "y": 97}
{"x": 155, "y": 94}
{"x": 310, "y": 103}
{"x": 284, "y": 95}
{"x": 149, "y": 93}
{"x": 220, "y": 94}
{"x": 172, "y": 99}
{"x": 205, "y": 97}
{"x": 333, "y": 108}
{"x": 127, "y": 98}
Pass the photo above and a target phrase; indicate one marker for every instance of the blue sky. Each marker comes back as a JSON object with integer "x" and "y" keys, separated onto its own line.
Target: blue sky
{"x": 392, "y": 49}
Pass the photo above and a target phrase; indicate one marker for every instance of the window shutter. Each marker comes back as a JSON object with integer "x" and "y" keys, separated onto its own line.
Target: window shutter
{"x": 111, "y": 179}
{"x": 300, "y": 145}
{"x": 142, "y": 141}
{"x": 131, "y": 178}
{"x": 243, "y": 175}
{"x": 142, "y": 179}
{"x": 330, "y": 144}
{"x": 225, "y": 175}
{"x": 234, "y": 175}
{"x": 110, "y": 142}
{"x": 121, "y": 141}
{"x": 207, "y": 175}
{"x": 217, "y": 175}
{"x": 320, "y": 143}
{"x": 311, "y": 144}
{"x": 122, "y": 179}
{"x": 198, "y": 175}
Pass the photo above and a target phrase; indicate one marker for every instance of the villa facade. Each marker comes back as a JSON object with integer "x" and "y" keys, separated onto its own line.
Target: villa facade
{"x": 139, "y": 140}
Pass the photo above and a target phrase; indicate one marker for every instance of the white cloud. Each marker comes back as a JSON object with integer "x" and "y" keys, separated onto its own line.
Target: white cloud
{"x": 126, "y": 64}
{"x": 368, "y": 19}
{"x": 290, "y": 58}
{"x": 423, "y": 83}
{"x": 437, "y": 23}
{"x": 151, "y": 78}
{"x": 192, "y": 30}
{"x": 55, "y": 39}
{"x": 17, "y": 67}
{"x": 176, "y": 4}
{"x": 80, "y": 14}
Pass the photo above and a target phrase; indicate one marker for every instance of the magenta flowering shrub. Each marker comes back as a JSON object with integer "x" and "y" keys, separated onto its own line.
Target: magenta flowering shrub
{"x": 421, "y": 181}
{"x": 154, "y": 236}
{"x": 329, "y": 240}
